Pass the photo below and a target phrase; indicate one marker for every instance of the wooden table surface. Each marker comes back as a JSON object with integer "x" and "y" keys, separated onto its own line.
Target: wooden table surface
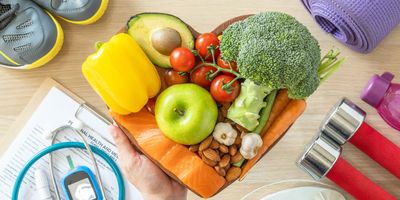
{"x": 17, "y": 87}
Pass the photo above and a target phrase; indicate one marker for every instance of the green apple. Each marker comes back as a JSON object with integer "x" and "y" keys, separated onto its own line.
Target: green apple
{"x": 186, "y": 113}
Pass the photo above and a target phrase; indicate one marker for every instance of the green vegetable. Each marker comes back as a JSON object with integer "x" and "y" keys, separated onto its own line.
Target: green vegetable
{"x": 239, "y": 163}
{"x": 232, "y": 40}
{"x": 276, "y": 51}
{"x": 246, "y": 107}
{"x": 265, "y": 112}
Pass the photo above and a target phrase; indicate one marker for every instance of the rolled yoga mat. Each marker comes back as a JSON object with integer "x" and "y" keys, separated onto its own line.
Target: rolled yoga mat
{"x": 359, "y": 24}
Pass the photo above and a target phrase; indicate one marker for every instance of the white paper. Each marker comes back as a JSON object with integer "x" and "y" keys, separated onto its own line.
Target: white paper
{"x": 306, "y": 193}
{"x": 58, "y": 109}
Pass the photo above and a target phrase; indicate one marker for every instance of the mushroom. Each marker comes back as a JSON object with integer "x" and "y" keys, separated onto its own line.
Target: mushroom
{"x": 224, "y": 133}
{"x": 251, "y": 142}
{"x": 164, "y": 40}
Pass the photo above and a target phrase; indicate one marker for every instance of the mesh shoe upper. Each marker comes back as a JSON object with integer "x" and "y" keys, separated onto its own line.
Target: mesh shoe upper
{"x": 26, "y": 35}
{"x": 74, "y": 10}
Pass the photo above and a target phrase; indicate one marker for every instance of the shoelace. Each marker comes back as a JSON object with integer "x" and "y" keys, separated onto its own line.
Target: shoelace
{"x": 7, "y": 14}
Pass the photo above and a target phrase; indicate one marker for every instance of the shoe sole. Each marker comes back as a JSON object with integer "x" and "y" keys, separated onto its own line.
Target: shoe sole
{"x": 49, "y": 56}
{"x": 100, "y": 12}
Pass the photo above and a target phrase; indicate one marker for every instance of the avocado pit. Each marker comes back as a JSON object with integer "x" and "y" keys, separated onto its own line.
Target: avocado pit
{"x": 165, "y": 40}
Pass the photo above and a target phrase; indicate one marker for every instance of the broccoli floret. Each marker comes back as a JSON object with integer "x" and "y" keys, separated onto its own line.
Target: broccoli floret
{"x": 305, "y": 87}
{"x": 275, "y": 50}
{"x": 231, "y": 42}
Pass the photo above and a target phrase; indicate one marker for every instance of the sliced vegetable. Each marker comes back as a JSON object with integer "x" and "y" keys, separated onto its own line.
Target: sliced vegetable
{"x": 246, "y": 107}
{"x": 122, "y": 75}
{"x": 266, "y": 112}
{"x": 182, "y": 59}
{"x": 278, "y": 127}
{"x": 224, "y": 88}
{"x": 280, "y": 103}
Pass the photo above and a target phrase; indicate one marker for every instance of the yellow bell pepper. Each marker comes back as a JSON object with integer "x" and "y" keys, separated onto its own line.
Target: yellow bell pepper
{"x": 122, "y": 75}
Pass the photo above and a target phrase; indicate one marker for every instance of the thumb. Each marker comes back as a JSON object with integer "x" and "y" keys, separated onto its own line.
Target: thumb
{"x": 122, "y": 142}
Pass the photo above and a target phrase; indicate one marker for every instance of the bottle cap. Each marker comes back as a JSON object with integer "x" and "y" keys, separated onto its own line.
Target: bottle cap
{"x": 376, "y": 88}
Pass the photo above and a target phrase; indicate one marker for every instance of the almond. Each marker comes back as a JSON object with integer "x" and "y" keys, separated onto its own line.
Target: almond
{"x": 212, "y": 155}
{"x": 236, "y": 158}
{"x": 200, "y": 153}
{"x": 214, "y": 144}
{"x": 238, "y": 140}
{"x": 232, "y": 150}
{"x": 232, "y": 174}
{"x": 194, "y": 148}
{"x": 220, "y": 170}
{"x": 208, "y": 161}
{"x": 224, "y": 149}
{"x": 206, "y": 143}
{"x": 240, "y": 128}
{"x": 224, "y": 160}
{"x": 227, "y": 167}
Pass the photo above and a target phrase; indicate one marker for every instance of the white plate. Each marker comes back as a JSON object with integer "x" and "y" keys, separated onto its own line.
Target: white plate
{"x": 306, "y": 193}
{"x": 296, "y": 190}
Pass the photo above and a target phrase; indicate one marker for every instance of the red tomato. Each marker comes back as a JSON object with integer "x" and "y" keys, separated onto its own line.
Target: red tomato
{"x": 225, "y": 65}
{"x": 199, "y": 76}
{"x": 204, "y": 41}
{"x": 182, "y": 59}
{"x": 173, "y": 77}
{"x": 224, "y": 95}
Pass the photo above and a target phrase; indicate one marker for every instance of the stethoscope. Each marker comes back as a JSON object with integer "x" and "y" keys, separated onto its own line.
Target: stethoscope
{"x": 76, "y": 126}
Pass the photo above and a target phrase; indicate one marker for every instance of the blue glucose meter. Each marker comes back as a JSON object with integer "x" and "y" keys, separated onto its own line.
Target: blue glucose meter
{"x": 80, "y": 184}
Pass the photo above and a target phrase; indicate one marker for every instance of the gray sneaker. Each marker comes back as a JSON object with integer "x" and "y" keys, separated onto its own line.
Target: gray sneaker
{"x": 29, "y": 36}
{"x": 78, "y": 12}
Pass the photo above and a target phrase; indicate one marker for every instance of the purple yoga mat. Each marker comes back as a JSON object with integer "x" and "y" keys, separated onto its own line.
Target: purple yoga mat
{"x": 360, "y": 24}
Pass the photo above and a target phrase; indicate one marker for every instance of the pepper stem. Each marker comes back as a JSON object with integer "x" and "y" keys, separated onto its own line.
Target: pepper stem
{"x": 98, "y": 45}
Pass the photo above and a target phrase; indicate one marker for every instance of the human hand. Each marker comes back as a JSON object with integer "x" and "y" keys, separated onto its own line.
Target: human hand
{"x": 148, "y": 178}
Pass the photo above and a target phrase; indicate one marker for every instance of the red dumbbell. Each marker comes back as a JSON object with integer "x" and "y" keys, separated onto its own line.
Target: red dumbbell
{"x": 346, "y": 122}
{"x": 322, "y": 159}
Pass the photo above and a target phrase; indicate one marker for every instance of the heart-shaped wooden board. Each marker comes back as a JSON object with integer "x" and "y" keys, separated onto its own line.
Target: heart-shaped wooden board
{"x": 137, "y": 125}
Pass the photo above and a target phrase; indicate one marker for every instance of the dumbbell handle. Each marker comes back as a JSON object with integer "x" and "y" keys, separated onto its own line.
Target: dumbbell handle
{"x": 378, "y": 147}
{"x": 355, "y": 183}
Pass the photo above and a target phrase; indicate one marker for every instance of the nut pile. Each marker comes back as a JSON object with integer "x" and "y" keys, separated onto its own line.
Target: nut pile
{"x": 220, "y": 156}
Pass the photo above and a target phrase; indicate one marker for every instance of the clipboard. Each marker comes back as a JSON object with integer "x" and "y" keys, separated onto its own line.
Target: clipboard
{"x": 34, "y": 102}
{"x": 53, "y": 105}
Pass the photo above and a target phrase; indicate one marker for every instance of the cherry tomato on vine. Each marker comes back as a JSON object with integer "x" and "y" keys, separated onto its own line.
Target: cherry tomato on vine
{"x": 182, "y": 59}
{"x": 225, "y": 65}
{"x": 173, "y": 77}
{"x": 199, "y": 76}
{"x": 203, "y": 42}
{"x": 223, "y": 93}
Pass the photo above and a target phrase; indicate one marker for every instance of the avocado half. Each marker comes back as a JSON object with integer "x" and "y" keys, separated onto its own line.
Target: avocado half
{"x": 142, "y": 28}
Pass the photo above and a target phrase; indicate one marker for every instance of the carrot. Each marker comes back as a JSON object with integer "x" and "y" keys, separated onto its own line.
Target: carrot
{"x": 280, "y": 103}
{"x": 278, "y": 127}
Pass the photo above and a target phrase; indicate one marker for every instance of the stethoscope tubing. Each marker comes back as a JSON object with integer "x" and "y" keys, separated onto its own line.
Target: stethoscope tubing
{"x": 65, "y": 145}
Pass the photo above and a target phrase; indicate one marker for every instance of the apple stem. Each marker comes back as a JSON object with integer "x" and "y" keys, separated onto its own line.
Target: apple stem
{"x": 179, "y": 112}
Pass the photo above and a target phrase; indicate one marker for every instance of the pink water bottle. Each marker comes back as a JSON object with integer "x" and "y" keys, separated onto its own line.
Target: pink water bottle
{"x": 384, "y": 95}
